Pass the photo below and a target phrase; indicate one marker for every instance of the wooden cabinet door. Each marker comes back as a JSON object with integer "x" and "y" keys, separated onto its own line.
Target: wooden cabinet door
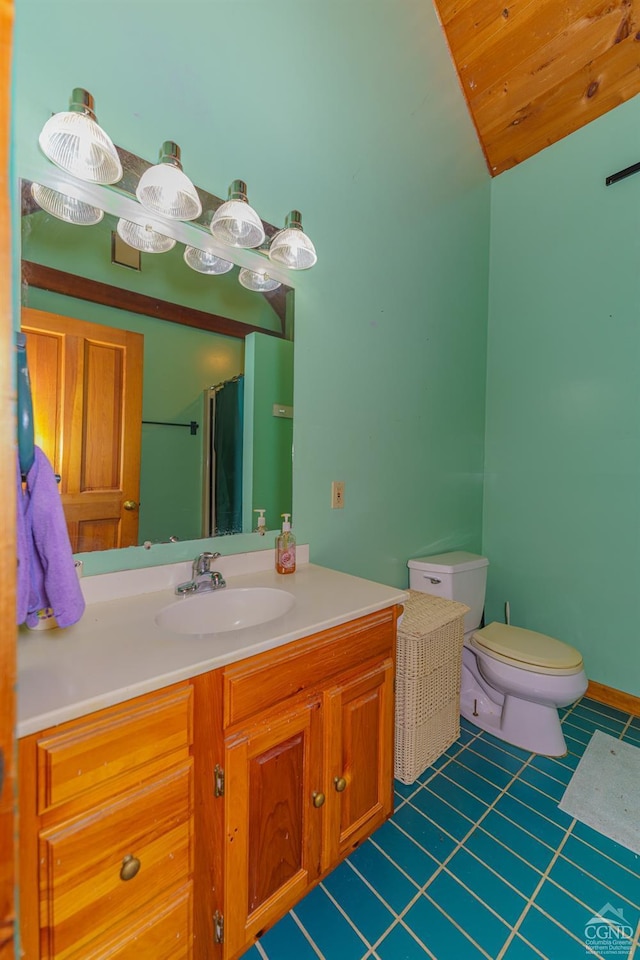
{"x": 273, "y": 820}
{"x": 359, "y": 745}
{"x": 86, "y": 384}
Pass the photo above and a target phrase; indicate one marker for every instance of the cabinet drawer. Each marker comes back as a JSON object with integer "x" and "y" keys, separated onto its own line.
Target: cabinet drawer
{"x": 268, "y": 678}
{"x": 88, "y": 755}
{"x": 167, "y": 935}
{"x": 82, "y": 893}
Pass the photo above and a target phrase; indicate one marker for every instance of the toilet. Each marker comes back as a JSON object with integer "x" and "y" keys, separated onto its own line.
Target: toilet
{"x": 513, "y": 680}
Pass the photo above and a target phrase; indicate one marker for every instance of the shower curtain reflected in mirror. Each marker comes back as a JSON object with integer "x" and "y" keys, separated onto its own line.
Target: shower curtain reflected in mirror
{"x": 224, "y": 423}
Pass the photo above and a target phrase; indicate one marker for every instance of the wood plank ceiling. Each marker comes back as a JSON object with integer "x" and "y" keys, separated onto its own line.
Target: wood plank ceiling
{"x": 533, "y": 71}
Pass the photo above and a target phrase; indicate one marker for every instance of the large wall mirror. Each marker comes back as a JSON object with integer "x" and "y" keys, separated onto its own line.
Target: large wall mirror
{"x": 187, "y": 369}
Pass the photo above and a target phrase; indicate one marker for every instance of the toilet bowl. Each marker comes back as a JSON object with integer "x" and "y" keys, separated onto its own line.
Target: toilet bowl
{"x": 513, "y": 680}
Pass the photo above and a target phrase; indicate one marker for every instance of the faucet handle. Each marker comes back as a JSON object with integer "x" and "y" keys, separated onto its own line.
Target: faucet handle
{"x": 202, "y": 563}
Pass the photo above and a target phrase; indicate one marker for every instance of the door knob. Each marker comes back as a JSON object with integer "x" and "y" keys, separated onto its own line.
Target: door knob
{"x": 130, "y": 505}
{"x": 339, "y": 783}
{"x": 318, "y": 799}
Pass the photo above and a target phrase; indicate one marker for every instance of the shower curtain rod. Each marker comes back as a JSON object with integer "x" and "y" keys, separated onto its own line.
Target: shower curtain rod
{"x": 223, "y": 383}
{"x": 193, "y": 425}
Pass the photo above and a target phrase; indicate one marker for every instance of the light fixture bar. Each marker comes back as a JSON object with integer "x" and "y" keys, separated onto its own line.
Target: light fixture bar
{"x": 622, "y": 174}
{"x": 119, "y": 200}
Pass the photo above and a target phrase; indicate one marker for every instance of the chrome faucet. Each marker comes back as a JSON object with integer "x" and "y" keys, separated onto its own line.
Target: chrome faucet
{"x": 202, "y": 576}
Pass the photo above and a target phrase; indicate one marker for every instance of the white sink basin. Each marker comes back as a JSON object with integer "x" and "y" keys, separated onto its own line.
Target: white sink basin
{"x": 229, "y": 608}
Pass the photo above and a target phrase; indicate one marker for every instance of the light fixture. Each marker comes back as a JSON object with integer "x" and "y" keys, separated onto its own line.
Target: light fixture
{"x": 144, "y": 238}
{"x": 235, "y": 222}
{"x": 291, "y": 247}
{"x": 166, "y": 190}
{"x": 64, "y": 207}
{"x": 204, "y": 261}
{"x": 74, "y": 141}
{"x": 257, "y": 280}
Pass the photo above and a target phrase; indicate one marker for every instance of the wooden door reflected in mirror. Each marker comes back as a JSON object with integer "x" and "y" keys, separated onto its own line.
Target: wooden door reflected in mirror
{"x": 86, "y": 385}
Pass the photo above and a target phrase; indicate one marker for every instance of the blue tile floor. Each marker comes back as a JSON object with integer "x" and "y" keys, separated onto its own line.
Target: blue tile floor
{"x": 477, "y": 862}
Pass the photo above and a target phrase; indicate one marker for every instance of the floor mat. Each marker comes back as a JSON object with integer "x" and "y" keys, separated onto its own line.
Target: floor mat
{"x": 604, "y": 791}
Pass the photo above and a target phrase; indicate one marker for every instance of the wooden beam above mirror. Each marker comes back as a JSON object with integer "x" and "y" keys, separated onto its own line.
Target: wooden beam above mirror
{"x": 58, "y": 281}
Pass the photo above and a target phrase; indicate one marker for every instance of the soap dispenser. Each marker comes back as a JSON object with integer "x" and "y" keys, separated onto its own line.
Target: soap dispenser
{"x": 286, "y": 547}
{"x": 262, "y": 523}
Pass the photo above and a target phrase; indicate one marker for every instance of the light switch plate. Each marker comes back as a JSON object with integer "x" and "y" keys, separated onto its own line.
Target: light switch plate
{"x": 337, "y": 495}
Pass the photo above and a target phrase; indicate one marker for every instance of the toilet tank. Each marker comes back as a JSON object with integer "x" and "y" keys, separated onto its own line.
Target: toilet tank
{"x": 457, "y": 576}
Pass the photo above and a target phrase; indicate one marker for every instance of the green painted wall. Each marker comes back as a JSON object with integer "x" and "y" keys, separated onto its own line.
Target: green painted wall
{"x": 269, "y": 439}
{"x": 351, "y": 112}
{"x": 562, "y": 501}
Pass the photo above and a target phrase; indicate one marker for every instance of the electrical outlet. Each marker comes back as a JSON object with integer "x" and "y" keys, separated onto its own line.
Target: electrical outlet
{"x": 337, "y": 495}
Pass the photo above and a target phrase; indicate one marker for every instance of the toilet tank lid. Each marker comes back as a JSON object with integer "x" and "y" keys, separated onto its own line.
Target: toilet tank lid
{"x": 454, "y": 562}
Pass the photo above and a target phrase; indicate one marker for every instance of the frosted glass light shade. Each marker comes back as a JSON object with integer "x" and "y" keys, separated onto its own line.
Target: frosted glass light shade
{"x": 64, "y": 207}
{"x": 257, "y": 280}
{"x": 75, "y": 142}
{"x": 235, "y": 222}
{"x": 291, "y": 247}
{"x": 144, "y": 238}
{"x": 166, "y": 189}
{"x": 204, "y": 261}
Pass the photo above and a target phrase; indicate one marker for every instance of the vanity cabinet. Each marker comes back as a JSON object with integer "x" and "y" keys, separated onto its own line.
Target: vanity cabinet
{"x": 298, "y": 773}
{"x": 181, "y": 824}
{"x": 106, "y": 833}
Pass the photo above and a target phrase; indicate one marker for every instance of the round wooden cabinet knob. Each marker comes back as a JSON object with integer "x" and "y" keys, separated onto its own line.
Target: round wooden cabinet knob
{"x": 339, "y": 783}
{"x": 130, "y": 866}
{"x": 318, "y": 799}
{"x": 130, "y": 505}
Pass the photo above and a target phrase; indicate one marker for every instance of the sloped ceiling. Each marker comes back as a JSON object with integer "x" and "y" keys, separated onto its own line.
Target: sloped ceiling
{"x": 533, "y": 71}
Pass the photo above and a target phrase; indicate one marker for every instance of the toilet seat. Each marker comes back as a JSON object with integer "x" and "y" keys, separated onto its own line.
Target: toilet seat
{"x": 527, "y": 649}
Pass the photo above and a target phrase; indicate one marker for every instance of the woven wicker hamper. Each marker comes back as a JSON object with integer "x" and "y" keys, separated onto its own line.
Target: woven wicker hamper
{"x": 428, "y": 666}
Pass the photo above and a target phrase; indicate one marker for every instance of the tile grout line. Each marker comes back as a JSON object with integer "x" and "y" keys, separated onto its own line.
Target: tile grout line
{"x": 305, "y": 933}
{"x": 533, "y": 895}
{"x": 557, "y": 854}
{"x": 438, "y": 869}
{"x": 367, "y": 883}
{"x": 583, "y": 904}
{"x": 591, "y": 876}
{"x": 582, "y": 943}
{"x": 399, "y": 923}
{"x": 626, "y": 727}
{"x": 346, "y": 916}
{"x": 421, "y": 784}
{"x": 397, "y": 866}
{"x": 515, "y": 777}
{"x": 442, "y": 866}
{"x": 428, "y": 787}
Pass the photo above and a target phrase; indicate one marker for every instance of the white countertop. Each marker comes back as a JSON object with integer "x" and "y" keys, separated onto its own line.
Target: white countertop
{"x": 117, "y": 651}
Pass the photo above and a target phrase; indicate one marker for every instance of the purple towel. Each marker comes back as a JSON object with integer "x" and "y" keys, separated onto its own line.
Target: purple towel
{"x": 23, "y": 578}
{"x": 53, "y": 579}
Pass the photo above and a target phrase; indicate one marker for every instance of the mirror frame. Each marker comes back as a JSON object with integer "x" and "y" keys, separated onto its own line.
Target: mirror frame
{"x": 119, "y": 200}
